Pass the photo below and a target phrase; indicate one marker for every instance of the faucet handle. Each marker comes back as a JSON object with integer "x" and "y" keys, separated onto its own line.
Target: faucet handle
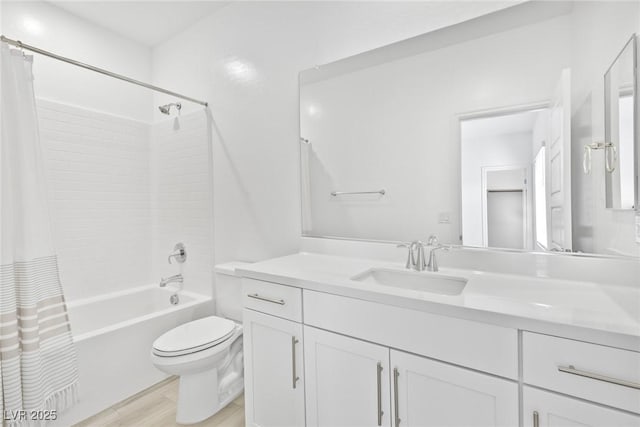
{"x": 410, "y": 256}
{"x": 432, "y": 240}
{"x": 432, "y": 265}
{"x": 179, "y": 253}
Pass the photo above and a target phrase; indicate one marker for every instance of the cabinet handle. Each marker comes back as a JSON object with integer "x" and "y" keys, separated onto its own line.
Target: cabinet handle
{"x": 379, "y": 380}
{"x": 536, "y": 419}
{"x": 573, "y": 371}
{"x": 294, "y": 374}
{"x": 267, "y": 299}
{"x": 396, "y": 406}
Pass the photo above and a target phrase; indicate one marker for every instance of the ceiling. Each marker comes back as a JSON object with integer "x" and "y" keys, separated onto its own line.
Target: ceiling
{"x": 147, "y": 22}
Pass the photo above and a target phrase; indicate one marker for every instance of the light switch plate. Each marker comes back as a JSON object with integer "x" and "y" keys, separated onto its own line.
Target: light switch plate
{"x": 444, "y": 218}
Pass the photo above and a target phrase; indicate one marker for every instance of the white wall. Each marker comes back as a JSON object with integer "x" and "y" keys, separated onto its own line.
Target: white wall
{"x": 412, "y": 150}
{"x": 245, "y": 59}
{"x": 48, "y": 27}
{"x": 601, "y": 29}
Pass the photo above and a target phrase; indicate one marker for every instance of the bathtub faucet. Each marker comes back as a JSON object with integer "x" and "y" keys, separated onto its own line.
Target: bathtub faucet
{"x": 173, "y": 279}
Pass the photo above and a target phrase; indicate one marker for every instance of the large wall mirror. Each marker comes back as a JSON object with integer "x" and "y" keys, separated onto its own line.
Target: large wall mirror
{"x": 477, "y": 133}
{"x": 620, "y": 144}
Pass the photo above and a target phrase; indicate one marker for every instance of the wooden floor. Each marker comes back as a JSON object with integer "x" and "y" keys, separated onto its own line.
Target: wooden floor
{"x": 156, "y": 407}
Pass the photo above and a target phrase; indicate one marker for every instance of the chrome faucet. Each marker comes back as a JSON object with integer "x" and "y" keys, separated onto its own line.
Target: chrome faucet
{"x": 432, "y": 265}
{"x": 415, "y": 255}
{"x": 173, "y": 279}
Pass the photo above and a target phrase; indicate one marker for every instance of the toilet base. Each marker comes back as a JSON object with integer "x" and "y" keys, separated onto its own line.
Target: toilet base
{"x": 198, "y": 397}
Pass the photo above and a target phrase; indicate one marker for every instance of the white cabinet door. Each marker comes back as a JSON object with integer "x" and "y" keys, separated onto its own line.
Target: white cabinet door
{"x": 434, "y": 394}
{"x": 273, "y": 354}
{"x": 546, "y": 409}
{"x": 347, "y": 381}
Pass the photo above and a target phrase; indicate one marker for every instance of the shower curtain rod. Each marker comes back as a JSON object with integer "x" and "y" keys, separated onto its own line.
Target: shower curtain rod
{"x": 19, "y": 44}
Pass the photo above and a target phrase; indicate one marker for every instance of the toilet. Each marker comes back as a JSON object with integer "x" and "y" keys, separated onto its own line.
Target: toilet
{"x": 206, "y": 353}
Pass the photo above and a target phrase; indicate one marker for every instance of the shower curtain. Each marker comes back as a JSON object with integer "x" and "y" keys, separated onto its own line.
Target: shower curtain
{"x": 38, "y": 365}
{"x": 305, "y": 178}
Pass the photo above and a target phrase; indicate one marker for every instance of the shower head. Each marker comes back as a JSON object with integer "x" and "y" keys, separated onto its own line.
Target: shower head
{"x": 166, "y": 109}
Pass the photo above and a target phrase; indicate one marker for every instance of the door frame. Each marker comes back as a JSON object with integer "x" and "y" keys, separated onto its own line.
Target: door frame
{"x": 485, "y": 114}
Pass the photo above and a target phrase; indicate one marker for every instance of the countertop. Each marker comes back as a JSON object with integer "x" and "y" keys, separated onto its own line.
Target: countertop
{"x": 605, "y": 314}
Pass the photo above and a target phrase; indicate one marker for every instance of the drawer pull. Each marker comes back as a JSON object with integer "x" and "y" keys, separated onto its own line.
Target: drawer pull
{"x": 396, "y": 404}
{"x": 573, "y": 371}
{"x": 536, "y": 419}
{"x": 379, "y": 383}
{"x": 267, "y": 299}
{"x": 294, "y": 374}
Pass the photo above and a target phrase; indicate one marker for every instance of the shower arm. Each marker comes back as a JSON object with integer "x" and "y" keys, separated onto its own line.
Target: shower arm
{"x": 24, "y": 46}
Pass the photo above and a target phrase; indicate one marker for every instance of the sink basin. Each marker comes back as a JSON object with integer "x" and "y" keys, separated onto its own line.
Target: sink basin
{"x": 414, "y": 280}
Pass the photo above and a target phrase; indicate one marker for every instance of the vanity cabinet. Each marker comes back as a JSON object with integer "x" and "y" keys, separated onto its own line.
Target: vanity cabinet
{"x": 273, "y": 356}
{"x": 355, "y": 383}
{"x": 432, "y": 394}
{"x": 547, "y": 409}
{"x": 366, "y": 363}
{"x": 347, "y": 381}
{"x": 596, "y": 373}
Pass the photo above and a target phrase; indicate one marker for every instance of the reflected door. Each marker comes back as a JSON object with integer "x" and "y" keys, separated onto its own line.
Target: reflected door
{"x": 559, "y": 205}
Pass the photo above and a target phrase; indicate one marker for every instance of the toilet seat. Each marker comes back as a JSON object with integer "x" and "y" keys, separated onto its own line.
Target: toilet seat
{"x": 193, "y": 337}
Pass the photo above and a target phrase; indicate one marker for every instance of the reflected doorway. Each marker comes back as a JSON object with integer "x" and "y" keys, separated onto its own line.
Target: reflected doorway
{"x": 498, "y": 154}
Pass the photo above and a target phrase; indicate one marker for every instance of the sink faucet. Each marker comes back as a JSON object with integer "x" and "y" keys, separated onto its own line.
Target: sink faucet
{"x": 432, "y": 265}
{"x": 415, "y": 255}
{"x": 173, "y": 279}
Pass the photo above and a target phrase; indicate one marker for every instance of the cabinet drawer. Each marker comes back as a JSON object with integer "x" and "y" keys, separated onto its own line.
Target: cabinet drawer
{"x": 594, "y": 372}
{"x": 271, "y": 298}
{"x": 462, "y": 342}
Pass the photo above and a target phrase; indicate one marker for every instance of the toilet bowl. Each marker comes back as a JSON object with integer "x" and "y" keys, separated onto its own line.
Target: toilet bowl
{"x": 207, "y": 355}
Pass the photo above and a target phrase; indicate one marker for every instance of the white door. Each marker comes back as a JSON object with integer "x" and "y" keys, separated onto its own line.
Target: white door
{"x": 559, "y": 167}
{"x": 273, "y": 354}
{"x": 427, "y": 393}
{"x": 545, "y": 409}
{"x": 347, "y": 381}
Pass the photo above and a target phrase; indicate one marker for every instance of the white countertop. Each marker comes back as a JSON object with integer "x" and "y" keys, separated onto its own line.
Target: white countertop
{"x": 605, "y": 314}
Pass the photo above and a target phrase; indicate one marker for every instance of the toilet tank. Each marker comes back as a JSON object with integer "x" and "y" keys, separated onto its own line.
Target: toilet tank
{"x": 229, "y": 290}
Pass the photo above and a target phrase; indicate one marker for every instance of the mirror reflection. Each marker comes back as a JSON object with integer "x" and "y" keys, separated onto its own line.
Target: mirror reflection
{"x": 474, "y": 133}
{"x": 619, "y": 145}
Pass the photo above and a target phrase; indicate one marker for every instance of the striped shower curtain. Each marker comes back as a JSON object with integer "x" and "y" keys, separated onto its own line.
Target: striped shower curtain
{"x": 38, "y": 365}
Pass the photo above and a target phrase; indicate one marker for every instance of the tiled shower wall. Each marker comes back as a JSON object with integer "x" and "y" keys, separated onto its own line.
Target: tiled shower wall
{"x": 111, "y": 214}
{"x": 181, "y": 199}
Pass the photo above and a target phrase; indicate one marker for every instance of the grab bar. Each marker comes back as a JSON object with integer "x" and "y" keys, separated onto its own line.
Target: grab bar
{"x": 342, "y": 193}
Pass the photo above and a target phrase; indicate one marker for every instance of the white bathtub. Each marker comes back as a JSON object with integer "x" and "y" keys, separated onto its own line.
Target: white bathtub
{"x": 113, "y": 334}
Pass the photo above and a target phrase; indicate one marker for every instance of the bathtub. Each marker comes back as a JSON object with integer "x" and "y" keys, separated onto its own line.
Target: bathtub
{"x": 113, "y": 334}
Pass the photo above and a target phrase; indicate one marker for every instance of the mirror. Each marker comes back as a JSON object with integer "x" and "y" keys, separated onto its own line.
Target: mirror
{"x": 621, "y": 141}
{"x": 472, "y": 132}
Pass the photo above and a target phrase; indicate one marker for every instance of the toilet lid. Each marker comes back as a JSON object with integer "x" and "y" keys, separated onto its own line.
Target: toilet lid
{"x": 194, "y": 336}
